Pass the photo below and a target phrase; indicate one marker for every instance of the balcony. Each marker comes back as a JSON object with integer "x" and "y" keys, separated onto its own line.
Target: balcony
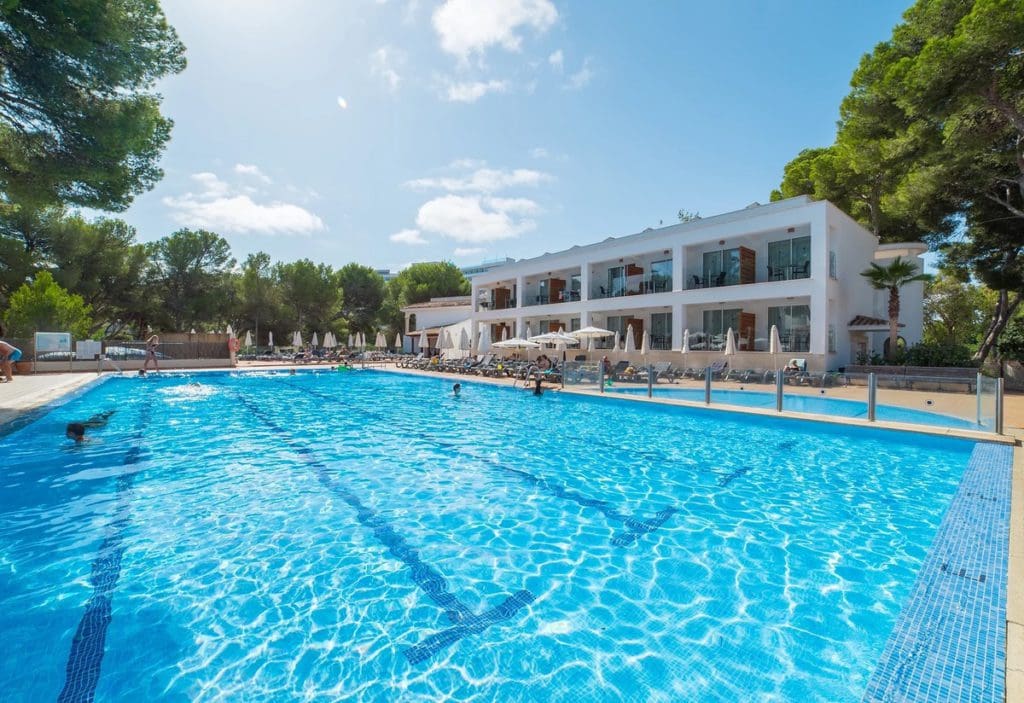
{"x": 563, "y": 296}
{"x": 790, "y": 272}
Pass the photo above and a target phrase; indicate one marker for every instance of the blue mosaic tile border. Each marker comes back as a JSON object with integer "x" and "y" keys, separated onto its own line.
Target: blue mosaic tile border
{"x": 427, "y": 578}
{"x": 949, "y": 643}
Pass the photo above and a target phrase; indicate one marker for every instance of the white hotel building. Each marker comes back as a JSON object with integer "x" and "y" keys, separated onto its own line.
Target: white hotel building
{"x": 794, "y": 263}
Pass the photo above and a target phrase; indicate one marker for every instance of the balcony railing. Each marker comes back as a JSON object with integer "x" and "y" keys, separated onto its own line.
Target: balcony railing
{"x": 490, "y": 304}
{"x": 566, "y": 296}
{"x": 641, "y": 286}
{"x": 790, "y": 272}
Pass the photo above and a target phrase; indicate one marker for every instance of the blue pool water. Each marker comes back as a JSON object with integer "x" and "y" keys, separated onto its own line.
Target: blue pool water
{"x": 367, "y": 535}
{"x": 818, "y": 404}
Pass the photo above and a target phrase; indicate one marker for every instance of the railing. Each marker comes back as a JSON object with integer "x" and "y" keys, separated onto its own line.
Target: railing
{"x": 634, "y": 285}
{"x": 130, "y": 350}
{"x": 563, "y": 297}
{"x": 918, "y": 401}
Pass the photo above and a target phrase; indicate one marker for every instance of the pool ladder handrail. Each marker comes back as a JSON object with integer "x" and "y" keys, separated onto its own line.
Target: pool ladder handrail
{"x": 526, "y": 377}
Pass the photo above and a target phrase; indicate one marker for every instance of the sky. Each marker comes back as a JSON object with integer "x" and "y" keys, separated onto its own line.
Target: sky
{"x": 392, "y": 131}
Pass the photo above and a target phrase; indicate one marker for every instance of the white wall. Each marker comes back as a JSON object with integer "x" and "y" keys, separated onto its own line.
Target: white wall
{"x": 850, "y": 294}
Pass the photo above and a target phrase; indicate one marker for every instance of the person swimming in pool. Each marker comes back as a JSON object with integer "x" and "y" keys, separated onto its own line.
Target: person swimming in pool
{"x": 76, "y": 430}
{"x": 9, "y": 354}
{"x": 456, "y": 389}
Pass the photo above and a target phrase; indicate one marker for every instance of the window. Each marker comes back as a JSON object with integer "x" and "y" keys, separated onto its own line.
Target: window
{"x": 790, "y": 258}
{"x": 716, "y": 326}
{"x": 412, "y": 323}
{"x": 794, "y": 323}
{"x": 616, "y": 281}
{"x": 574, "y": 324}
{"x": 661, "y": 330}
{"x": 661, "y": 276}
{"x": 831, "y": 339}
{"x": 722, "y": 268}
{"x": 615, "y": 323}
{"x": 575, "y": 287}
{"x": 832, "y": 266}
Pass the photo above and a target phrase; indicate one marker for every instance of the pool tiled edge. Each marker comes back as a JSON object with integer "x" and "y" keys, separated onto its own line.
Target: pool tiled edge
{"x": 935, "y": 431}
{"x": 1015, "y": 586}
{"x": 949, "y": 643}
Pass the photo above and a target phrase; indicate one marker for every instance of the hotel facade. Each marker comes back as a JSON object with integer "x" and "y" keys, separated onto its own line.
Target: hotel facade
{"x": 794, "y": 263}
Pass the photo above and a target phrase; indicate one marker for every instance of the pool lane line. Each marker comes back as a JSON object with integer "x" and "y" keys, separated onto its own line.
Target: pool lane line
{"x": 426, "y": 577}
{"x": 724, "y": 481}
{"x": 635, "y": 527}
{"x": 85, "y": 659}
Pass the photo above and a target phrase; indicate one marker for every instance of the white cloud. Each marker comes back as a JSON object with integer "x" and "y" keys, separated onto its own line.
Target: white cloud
{"x": 241, "y": 214}
{"x": 212, "y": 186}
{"x": 468, "y": 251}
{"x": 556, "y": 60}
{"x": 222, "y": 208}
{"x": 582, "y": 77}
{"x": 468, "y": 26}
{"x": 252, "y": 170}
{"x": 539, "y": 152}
{"x": 484, "y": 180}
{"x": 477, "y": 219}
{"x": 342, "y": 103}
{"x": 382, "y": 65}
{"x": 408, "y": 236}
{"x": 467, "y": 163}
{"x": 470, "y": 92}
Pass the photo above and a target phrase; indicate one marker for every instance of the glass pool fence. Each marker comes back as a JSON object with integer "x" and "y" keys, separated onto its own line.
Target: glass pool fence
{"x": 960, "y": 403}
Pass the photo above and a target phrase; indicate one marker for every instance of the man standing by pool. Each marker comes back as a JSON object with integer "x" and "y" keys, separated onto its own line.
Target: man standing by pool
{"x": 9, "y": 353}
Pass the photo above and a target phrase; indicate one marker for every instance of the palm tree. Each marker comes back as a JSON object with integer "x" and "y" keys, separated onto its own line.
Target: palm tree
{"x": 891, "y": 278}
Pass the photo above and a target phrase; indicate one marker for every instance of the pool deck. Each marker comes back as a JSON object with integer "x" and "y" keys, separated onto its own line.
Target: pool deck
{"x": 31, "y": 392}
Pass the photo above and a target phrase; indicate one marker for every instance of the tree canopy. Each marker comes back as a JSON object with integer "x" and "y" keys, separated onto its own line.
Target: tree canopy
{"x": 79, "y": 123}
{"x": 931, "y": 143}
{"x": 363, "y": 296}
{"x": 43, "y": 306}
{"x": 190, "y": 269}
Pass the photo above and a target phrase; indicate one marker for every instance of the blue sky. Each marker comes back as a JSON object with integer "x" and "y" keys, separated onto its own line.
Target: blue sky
{"x": 393, "y": 131}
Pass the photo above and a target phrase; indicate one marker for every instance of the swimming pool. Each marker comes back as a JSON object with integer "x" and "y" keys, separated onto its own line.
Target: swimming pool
{"x": 818, "y": 404}
{"x": 363, "y": 534}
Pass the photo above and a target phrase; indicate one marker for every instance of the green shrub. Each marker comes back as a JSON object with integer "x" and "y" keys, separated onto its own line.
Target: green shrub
{"x": 43, "y": 306}
{"x": 938, "y": 354}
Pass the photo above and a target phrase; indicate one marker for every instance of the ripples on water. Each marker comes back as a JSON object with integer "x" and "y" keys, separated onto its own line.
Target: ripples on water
{"x": 310, "y": 536}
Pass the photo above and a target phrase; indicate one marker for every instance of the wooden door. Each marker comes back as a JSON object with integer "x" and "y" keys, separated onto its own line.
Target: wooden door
{"x": 746, "y": 338}
{"x": 748, "y": 265}
{"x": 500, "y": 298}
{"x": 555, "y": 288}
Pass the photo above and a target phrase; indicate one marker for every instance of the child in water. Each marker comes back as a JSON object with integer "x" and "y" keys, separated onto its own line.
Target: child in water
{"x": 76, "y": 430}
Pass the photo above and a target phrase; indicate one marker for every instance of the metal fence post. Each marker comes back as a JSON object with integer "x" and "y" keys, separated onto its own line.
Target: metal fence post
{"x": 779, "y": 382}
{"x": 977, "y": 394}
{"x": 999, "y": 405}
{"x": 650, "y": 381}
{"x": 601, "y": 377}
{"x": 872, "y": 392}
{"x": 707, "y": 385}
